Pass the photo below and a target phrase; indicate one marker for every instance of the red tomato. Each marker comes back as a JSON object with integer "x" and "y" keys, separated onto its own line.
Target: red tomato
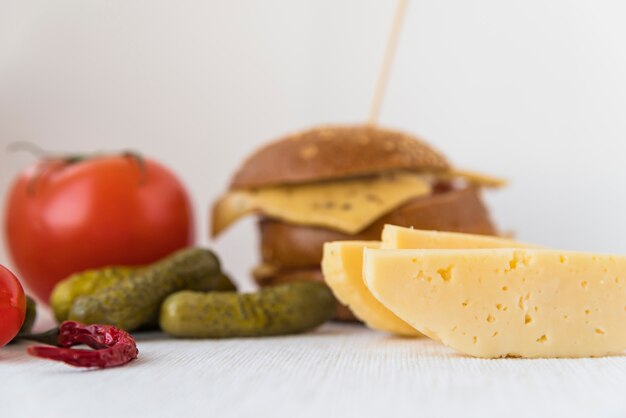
{"x": 66, "y": 216}
{"x": 12, "y": 306}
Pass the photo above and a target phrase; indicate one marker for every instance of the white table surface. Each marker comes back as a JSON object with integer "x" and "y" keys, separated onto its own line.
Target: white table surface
{"x": 337, "y": 371}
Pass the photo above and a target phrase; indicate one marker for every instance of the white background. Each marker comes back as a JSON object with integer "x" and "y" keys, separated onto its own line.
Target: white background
{"x": 534, "y": 91}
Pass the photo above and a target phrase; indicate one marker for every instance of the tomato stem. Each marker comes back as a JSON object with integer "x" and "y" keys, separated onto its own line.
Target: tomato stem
{"x": 70, "y": 159}
{"x": 141, "y": 164}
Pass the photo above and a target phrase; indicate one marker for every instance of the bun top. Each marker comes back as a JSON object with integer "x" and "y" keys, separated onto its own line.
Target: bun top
{"x": 334, "y": 152}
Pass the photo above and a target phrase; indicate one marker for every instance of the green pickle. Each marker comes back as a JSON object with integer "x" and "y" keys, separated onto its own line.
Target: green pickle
{"x": 85, "y": 283}
{"x": 134, "y": 301}
{"x": 280, "y": 310}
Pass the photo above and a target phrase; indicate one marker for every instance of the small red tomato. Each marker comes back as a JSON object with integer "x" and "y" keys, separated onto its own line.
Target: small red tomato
{"x": 12, "y": 306}
{"x": 71, "y": 214}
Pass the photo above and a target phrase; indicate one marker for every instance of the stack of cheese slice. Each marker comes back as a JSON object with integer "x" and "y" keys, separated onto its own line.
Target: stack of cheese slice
{"x": 483, "y": 296}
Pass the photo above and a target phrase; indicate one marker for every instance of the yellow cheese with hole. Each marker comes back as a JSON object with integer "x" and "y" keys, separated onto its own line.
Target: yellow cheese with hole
{"x": 407, "y": 238}
{"x": 342, "y": 266}
{"x": 506, "y": 302}
{"x": 344, "y": 205}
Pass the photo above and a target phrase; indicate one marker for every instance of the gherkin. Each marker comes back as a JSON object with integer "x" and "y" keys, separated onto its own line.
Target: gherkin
{"x": 85, "y": 283}
{"x": 280, "y": 310}
{"x": 134, "y": 301}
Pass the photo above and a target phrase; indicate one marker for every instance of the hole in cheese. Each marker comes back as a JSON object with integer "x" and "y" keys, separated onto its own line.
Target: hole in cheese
{"x": 445, "y": 274}
{"x": 518, "y": 257}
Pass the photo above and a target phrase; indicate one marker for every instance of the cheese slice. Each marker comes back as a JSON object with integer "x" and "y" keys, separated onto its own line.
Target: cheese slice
{"x": 476, "y": 178}
{"x": 345, "y": 205}
{"x": 506, "y": 302}
{"x": 408, "y": 238}
{"x": 342, "y": 266}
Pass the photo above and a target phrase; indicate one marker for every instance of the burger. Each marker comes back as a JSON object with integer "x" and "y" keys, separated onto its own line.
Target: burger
{"x": 345, "y": 183}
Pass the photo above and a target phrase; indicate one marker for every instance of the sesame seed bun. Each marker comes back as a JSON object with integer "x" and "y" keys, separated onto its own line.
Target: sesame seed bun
{"x": 333, "y": 152}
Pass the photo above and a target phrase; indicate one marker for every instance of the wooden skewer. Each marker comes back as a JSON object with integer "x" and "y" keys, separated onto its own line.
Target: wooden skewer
{"x": 390, "y": 50}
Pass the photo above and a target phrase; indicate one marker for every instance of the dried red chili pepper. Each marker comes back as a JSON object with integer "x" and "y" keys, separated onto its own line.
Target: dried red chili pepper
{"x": 112, "y": 346}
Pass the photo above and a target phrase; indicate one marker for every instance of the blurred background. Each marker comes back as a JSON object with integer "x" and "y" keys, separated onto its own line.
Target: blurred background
{"x": 532, "y": 91}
